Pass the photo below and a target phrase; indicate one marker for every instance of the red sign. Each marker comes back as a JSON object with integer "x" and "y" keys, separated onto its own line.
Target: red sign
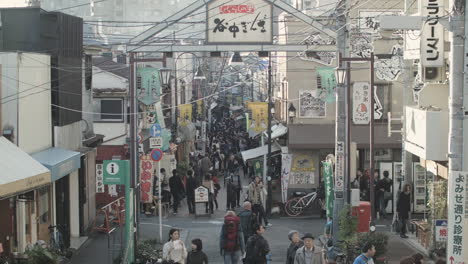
{"x": 237, "y": 9}
{"x": 156, "y": 154}
{"x": 146, "y": 179}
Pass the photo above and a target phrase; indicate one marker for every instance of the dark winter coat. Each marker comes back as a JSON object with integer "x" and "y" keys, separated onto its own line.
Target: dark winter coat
{"x": 177, "y": 187}
{"x": 257, "y": 256}
{"x": 191, "y": 186}
{"x": 404, "y": 205}
{"x": 246, "y": 221}
{"x": 197, "y": 257}
{"x": 291, "y": 254}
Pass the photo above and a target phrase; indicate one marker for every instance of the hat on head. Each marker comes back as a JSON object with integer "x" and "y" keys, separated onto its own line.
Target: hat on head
{"x": 308, "y": 235}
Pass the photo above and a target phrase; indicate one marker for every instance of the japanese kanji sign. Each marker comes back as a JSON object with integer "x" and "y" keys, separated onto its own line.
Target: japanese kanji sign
{"x": 146, "y": 179}
{"x": 432, "y": 37}
{"x": 441, "y": 230}
{"x": 239, "y": 21}
{"x": 457, "y": 195}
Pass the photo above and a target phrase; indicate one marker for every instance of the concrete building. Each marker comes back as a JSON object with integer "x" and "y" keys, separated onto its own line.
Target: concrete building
{"x": 307, "y": 84}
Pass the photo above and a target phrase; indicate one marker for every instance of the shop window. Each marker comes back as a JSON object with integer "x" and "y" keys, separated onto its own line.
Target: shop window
{"x": 110, "y": 109}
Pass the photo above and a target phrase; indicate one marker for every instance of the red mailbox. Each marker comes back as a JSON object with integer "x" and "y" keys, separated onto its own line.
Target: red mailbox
{"x": 363, "y": 213}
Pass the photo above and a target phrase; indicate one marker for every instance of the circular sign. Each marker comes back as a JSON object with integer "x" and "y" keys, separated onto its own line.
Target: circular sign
{"x": 112, "y": 168}
{"x": 156, "y": 154}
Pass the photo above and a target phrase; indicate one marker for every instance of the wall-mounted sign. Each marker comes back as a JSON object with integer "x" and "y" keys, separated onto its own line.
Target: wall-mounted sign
{"x": 456, "y": 242}
{"x": 146, "y": 179}
{"x": 432, "y": 36}
{"x": 99, "y": 179}
{"x": 302, "y": 170}
{"x": 155, "y": 142}
{"x": 239, "y": 21}
{"x": 311, "y": 105}
{"x": 115, "y": 171}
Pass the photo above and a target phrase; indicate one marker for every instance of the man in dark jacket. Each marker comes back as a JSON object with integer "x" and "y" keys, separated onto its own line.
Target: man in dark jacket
{"x": 257, "y": 247}
{"x": 190, "y": 191}
{"x": 403, "y": 209}
{"x": 247, "y": 220}
{"x": 177, "y": 190}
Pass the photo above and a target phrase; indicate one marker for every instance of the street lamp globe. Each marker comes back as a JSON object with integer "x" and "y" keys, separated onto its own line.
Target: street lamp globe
{"x": 292, "y": 111}
{"x": 340, "y": 75}
{"x": 199, "y": 75}
{"x": 164, "y": 76}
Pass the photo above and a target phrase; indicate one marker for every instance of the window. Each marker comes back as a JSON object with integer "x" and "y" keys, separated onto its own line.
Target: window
{"x": 109, "y": 109}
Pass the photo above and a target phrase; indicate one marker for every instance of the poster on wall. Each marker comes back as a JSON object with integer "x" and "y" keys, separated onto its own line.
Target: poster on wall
{"x": 369, "y": 20}
{"x": 239, "y": 21}
{"x": 146, "y": 179}
{"x": 311, "y": 105}
{"x": 361, "y": 44}
{"x": 286, "y": 161}
{"x": 302, "y": 170}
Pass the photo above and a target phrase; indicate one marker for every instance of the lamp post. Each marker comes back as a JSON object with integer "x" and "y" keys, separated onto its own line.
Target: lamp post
{"x": 291, "y": 113}
{"x": 344, "y": 76}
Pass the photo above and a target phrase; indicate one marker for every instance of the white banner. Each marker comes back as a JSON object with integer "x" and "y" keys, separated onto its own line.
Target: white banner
{"x": 362, "y": 103}
{"x": 456, "y": 246}
{"x": 239, "y": 21}
{"x": 339, "y": 167}
{"x": 432, "y": 36}
{"x": 286, "y": 161}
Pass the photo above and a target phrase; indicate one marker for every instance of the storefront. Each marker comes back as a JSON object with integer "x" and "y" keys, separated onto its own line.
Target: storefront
{"x": 24, "y": 199}
{"x": 64, "y": 165}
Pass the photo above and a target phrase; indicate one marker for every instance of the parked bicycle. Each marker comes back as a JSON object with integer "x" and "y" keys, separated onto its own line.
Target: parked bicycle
{"x": 296, "y": 205}
{"x": 57, "y": 244}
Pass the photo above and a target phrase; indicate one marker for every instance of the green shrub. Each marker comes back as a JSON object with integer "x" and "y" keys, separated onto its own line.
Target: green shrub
{"x": 148, "y": 251}
{"x": 348, "y": 225}
{"x": 40, "y": 255}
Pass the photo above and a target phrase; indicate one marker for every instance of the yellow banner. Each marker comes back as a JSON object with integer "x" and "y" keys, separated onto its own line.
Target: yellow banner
{"x": 200, "y": 108}
{"x": 259, "y": 121}
{"x": 185, "y": 114}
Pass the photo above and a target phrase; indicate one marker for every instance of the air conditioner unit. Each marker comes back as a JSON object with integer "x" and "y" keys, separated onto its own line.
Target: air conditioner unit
{"x": 432, "y": 74}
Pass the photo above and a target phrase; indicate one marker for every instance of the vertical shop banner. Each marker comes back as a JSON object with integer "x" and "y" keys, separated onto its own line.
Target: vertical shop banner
{"x": 200, "y": 108}
{"x": 286, "y": 162}
{"x": 326, "y": 84}
{"x": 148, "y": 85}
{"x": 258, "y": 167}
{"x": 457, "y": 215}
{"x": 329, "y": 194}
{"x": 239, "y": 21}
{"x": 311, "y": 105}
{"x": 259, "y": 121}
{"x": 432, "y": 35}
{"x": 185, "y": 114}
{"x": 302, "y": 170}
{"x": 99, "y": 178}
{"x": 361, "y": 103}
{"x": 146, "y": 179}
{"x": 339, "y": 167}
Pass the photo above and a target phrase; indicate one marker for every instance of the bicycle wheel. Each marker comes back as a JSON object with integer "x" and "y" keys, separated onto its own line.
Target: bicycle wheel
{"x": 294, "y": 207}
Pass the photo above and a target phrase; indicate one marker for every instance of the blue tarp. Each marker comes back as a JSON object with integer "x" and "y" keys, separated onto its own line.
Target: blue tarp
{"x": 60, "y": 162}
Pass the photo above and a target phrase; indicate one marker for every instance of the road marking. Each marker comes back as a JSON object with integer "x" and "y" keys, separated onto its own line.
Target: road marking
{"x": 154, "y": 224}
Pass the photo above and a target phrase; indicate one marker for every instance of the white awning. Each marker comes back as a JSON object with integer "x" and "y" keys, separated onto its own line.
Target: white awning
{"x": 260, "y": 151}
{"x": 277, "y": 131}
{"x": 19, "y": 172}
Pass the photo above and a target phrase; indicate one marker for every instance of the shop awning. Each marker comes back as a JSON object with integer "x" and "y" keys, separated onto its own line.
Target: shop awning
{"x": 59, "y": 161}
{"x": 260, "y": 151}
{"x": 277, "y": 131}
{"x": 19, "y": 172}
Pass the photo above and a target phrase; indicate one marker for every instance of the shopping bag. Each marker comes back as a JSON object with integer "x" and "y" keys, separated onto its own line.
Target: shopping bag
{"x": 396, "y": 223}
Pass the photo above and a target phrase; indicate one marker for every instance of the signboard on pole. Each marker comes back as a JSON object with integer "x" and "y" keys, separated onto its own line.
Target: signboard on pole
{"x": 201, "y": 194}
{"x": 155, "y": 130}
{"x": 339, "y": 167}
{"x": 441, "y": 230}
{"x": 456, "y": 250}
{"x": 328, "y": 178}
{"x": 146, "y": 179}
{"x": 432, "y": 35}
{"x": 156, "y": 142}
{"x": 286, "y": 162}
{"x": 99, "y": 178}
{"x": 156, "y": 154}
{"x": 115, "y": 171}
{"x": 239, "y": 21}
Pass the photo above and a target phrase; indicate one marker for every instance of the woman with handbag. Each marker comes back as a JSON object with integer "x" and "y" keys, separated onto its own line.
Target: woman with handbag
{"x": 403, "y": 209}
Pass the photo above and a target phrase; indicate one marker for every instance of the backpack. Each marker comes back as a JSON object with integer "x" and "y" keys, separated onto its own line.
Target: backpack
{"x": 231, "y": 227}
{"x": 252, "y": 251}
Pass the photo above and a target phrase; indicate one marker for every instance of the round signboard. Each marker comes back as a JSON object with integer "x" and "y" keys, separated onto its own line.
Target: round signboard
{"x": 156, "y": 154}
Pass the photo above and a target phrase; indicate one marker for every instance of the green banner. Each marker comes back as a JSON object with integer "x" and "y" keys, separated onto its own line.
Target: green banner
{"x": 327, "y": 84}
{"x": 115, "y": 171}
{"x": 258, "y": 167}
{"x": 328, "y": 178}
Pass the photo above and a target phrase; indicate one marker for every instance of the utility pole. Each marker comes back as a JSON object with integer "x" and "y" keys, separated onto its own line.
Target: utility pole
{"x": 340, "y": 123}
{"x": 269, "y": 195}
{"x": 133, "y": 152}
{"x": 457, "y": 250}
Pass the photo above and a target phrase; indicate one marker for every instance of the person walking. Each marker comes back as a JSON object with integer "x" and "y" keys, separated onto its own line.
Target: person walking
{"x": 197, "y": 256}
{"x": 190, "y": 191}
{"x": 368, "y": 252}
{"x": 296, "y": 243}
{"x": 230, "y": 194}
{"x": 236, "y": 180}
{"x": 208, "y": 183}
{"x": 205, "y": 165}
{"x": 177, "y": 190}
{"x": 247, "y": 220}
{"x": 231, "y": 241}
{"x": 309, "y": 253}
{"x": 255, "y": 194}
{"x": 166, "y": 190}
{"x": 403, "y": 209}
{"x": 174, "y": 250}
{"x": 257, "y": 247}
